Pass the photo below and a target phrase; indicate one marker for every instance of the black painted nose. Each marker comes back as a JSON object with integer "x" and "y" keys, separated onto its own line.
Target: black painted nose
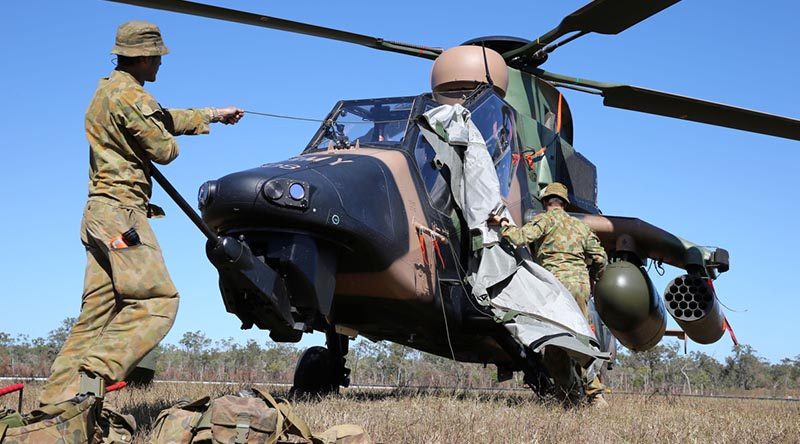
{"x": 351, "y": 201}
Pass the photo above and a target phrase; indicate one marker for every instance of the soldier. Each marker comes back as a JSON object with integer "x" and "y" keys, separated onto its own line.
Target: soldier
{"x": 564, "y": 246}
{"x": 129, "y": 301}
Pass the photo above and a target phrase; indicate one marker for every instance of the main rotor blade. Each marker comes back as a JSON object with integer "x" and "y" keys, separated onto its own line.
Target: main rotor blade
{"x": 600, "y": 16}
{"x": 651, "y": 101}
{"x": 264, "y": 21}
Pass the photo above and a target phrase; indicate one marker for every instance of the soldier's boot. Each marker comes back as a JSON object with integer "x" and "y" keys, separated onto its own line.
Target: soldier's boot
{"x": 90, "y": 385}
{"x": 598, "y": 402}
{"x": 594, "y": 393}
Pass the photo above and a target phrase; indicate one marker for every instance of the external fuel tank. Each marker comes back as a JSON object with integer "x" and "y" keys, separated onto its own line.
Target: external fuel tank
{"x": 629, "y": 305}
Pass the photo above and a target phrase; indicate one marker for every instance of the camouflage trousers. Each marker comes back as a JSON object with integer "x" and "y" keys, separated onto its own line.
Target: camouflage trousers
{"x": 581, "y": 291}
{"x": 129, "y": 303}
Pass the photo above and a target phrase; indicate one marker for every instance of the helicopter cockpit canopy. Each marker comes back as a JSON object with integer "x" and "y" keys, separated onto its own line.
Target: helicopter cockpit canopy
{"x": 378, "y": 122}
{"x": 390, "y": 123}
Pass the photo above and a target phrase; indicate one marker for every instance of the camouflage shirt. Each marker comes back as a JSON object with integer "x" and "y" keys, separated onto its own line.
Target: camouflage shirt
{"x": 563, "y": 245}
{"x": 126, "y": 127}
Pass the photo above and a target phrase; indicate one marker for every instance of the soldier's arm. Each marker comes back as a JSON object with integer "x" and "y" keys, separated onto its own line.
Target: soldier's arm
{"x": 195, "y": 121}
{"x": 187, "y": 121}
{"x": 145, "y": 121}
{"x": 595, "y": 252}
{"x": 528, "y": 233}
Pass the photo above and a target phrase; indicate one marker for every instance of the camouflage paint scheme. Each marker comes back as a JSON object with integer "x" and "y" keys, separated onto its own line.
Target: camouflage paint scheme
{"x": 129, "y": 301}
{"x": 385, "y": 286}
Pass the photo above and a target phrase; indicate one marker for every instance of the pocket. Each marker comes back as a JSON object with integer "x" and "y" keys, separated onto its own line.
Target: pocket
{"x": 138, "y": 272}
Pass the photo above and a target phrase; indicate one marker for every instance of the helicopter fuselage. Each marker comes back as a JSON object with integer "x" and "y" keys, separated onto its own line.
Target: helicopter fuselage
{"x": 360, "y": 234}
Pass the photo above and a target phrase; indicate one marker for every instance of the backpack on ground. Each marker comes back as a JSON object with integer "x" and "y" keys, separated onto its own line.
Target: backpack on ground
{"x": 65, "y": 422}
{"x": 253, "y": 417}
{"x": 83, "y": 421}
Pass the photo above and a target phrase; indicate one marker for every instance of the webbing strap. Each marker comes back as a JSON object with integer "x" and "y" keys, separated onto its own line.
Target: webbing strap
{"x": 287, "y": 412}
{"x": 3, "y": 428}
{"x": 242, "y": 427}
{"x": 204, "y": 421}
{"x": 278, "y": 430}
{"x": 53, "y": 410}
{"x": 508, "y": 316}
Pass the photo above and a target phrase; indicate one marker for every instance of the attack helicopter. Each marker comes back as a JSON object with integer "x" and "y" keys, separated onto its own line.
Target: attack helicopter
{"x": 358, "y": 235}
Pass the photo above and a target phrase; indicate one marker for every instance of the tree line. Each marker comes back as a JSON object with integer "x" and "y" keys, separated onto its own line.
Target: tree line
{"x": 197, "y": 357}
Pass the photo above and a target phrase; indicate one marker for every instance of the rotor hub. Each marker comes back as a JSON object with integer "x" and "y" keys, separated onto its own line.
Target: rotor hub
{"x": 504, "y": 44}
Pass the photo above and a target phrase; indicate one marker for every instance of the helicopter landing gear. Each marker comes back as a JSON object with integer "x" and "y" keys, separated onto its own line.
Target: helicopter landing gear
{"x": 534, "y": 374}
{"x": 553, "y": 378}
{"x": 320, "y": 370}
{"x": 338, "y": 345}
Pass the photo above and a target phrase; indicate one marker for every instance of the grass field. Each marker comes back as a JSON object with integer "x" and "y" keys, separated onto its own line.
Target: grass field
{"x": 505, "y": 417}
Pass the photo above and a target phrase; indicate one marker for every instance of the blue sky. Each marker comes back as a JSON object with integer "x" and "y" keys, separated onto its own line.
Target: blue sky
{"x": 711, "y": 185}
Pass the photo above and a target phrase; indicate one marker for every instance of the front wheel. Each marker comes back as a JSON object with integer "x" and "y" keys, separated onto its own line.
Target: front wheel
{"x": 314, "y": 374}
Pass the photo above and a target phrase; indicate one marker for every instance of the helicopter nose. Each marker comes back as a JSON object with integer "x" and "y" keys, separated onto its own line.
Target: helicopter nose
{"x": 350, "y": 200}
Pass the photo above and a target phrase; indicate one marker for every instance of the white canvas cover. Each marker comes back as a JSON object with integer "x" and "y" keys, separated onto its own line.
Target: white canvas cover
{"x": 502, "y": 278}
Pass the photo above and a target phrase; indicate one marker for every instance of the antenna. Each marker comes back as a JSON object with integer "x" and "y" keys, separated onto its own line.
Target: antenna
{"x": 486, "y": 65}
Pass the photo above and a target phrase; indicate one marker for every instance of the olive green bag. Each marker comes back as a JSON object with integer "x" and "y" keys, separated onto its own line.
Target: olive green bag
{"x": 254, "y": 417}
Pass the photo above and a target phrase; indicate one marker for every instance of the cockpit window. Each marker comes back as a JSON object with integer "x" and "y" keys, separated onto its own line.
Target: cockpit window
{"x": 495, "y": 120}
{"x": 378, "y": 122}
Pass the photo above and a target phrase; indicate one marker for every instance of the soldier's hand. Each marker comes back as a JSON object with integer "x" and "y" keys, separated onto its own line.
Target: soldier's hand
{"x": 496, "y": 219}
{"x": 229, "y": 115}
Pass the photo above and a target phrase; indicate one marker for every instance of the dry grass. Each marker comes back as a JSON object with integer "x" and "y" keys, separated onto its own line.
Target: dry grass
{"x": 506, "y": 417}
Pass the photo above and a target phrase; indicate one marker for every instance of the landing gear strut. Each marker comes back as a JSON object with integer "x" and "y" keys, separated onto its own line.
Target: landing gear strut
{"x": 535, "y": 376}
{"x": 321, "y": 370}
{"x": 338, "y": 345}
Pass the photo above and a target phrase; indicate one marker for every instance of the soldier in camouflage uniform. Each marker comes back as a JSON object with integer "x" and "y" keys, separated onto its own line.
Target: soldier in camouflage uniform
{"x": 129, "y": 301}
{"x": 566, "y": 247}
{"x": 563, "y": 245}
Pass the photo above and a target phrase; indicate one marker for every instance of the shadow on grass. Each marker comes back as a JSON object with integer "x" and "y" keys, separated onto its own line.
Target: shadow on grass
{"x": 511, "y": 399}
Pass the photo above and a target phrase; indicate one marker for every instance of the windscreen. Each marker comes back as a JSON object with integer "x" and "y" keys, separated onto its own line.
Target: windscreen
{"x": 377, "y": 122}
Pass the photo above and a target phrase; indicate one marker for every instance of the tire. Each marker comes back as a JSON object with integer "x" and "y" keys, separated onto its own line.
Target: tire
{"x": 314, "y": 374}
